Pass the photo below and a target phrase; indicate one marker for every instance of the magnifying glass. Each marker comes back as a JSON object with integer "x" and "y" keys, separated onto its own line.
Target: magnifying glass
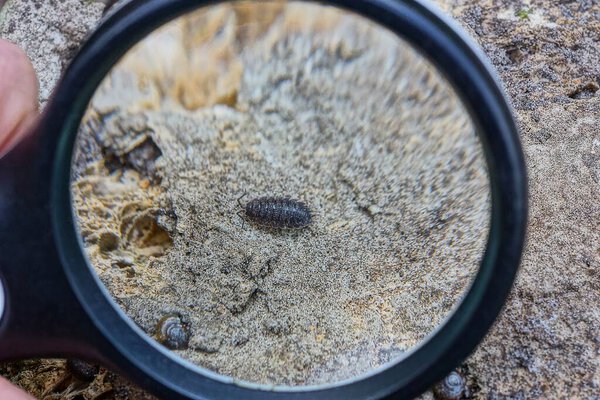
{"x": 265, "y": 200}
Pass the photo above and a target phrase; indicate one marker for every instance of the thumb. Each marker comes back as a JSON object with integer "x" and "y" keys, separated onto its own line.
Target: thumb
{"x": 18, "y": 95}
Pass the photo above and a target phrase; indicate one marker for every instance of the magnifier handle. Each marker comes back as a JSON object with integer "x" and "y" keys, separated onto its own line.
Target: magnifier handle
{"x": 40, "y": 315}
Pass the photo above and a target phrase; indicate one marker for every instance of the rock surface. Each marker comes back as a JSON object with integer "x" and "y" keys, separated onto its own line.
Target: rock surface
{"x": 544, "y": 345}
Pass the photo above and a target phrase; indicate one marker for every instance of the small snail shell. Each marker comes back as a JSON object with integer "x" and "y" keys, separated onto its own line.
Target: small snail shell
{"x": 172, "y": 332}
{"x": 451, "y": 387}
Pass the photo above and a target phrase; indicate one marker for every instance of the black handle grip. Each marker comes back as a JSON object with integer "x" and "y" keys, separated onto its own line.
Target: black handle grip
{"x": 41, "y": 315}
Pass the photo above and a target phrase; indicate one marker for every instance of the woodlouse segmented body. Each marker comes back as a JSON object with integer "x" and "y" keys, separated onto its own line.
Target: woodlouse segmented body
{"x": 277, "y": 212}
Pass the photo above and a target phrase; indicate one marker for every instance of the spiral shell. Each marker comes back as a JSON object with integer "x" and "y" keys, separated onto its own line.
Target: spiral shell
{"x": 451, "y": 387}
{"x": 172, "y": 332}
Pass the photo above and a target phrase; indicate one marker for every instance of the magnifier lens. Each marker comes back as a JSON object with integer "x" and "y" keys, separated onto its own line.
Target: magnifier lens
{"x": 270, "y": 105}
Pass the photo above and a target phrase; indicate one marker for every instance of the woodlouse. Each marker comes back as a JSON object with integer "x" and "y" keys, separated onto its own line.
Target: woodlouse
{"x": 277, "y": 212}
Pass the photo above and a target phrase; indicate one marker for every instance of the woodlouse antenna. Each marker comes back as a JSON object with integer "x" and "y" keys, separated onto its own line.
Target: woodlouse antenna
{"x": 240, "y": 198}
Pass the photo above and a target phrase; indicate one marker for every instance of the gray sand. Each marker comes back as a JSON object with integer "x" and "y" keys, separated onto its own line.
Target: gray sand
{"x": 342, "y": 116}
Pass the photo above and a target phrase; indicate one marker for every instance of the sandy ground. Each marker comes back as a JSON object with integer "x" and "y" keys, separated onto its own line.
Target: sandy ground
{"x": 544, "y": 344}
{"x": 391, "y": 179}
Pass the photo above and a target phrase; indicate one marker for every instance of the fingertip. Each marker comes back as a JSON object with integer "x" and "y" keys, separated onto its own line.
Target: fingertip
{"x": 17, "y": 72}
{"x": 18, "y": 94}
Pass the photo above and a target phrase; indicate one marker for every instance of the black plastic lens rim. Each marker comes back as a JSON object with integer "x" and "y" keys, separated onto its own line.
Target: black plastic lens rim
{"x": 167, "y": 375}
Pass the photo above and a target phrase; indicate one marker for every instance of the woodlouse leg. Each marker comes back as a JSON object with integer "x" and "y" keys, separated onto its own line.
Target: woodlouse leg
{"x": 239, "y": 213}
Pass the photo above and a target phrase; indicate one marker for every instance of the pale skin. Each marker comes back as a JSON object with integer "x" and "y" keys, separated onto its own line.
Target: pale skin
{"x": 18, "y": 112}
{"x": 18, "y": 95}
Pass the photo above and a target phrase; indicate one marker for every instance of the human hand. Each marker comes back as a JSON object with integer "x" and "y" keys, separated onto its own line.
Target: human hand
{"x": 10, "y": 392}
{"x": 18, "y": 110}
{"x": 18, "y": 95}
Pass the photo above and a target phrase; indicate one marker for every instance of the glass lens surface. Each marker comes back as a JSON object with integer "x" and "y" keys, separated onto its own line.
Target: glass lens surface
{"x": 281, "y": 192}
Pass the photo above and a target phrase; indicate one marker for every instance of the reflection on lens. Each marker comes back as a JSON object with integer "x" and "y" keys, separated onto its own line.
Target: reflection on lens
{"x": 294, "y": 101}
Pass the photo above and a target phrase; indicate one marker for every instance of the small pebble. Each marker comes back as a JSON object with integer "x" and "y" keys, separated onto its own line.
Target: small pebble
{"x": 83, "y": 370}
{"x": 206, "y": 343}
{"x": 239, "y": 339}
{"x": 108, "y": 242}
{"x": 374, "y": 210}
